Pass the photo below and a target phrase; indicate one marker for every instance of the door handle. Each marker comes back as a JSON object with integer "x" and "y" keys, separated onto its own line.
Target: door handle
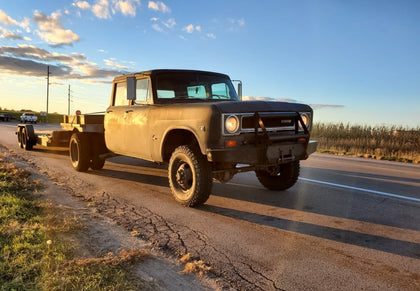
{"x": 128, "y": 111}
{"x": 108, "y": 111}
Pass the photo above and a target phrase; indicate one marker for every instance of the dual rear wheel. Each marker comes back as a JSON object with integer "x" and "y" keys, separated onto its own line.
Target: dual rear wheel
{"x": 85, "y": 150}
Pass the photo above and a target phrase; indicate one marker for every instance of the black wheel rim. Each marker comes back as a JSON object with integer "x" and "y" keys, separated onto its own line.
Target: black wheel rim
{"x": 183, "y": 176}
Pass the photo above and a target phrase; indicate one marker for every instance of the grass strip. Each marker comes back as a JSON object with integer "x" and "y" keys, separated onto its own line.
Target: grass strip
{"x": 32, "y": 255}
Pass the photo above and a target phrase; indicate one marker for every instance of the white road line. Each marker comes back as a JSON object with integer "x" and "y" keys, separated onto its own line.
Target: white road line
{"x": 361, "y": 189}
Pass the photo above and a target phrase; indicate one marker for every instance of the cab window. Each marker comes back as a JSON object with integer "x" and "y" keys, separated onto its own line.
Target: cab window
{"x": 143, "y": 91}
{"x": 120, "y": 98}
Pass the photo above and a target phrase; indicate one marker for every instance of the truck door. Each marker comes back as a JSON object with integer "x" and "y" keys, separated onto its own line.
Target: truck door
{"x": 114, "y": 118}
{"x": 126, "y": 124}
{"x": 136, "y": 126}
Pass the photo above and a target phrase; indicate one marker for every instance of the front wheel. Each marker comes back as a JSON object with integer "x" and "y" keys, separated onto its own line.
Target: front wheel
{"x": 281, "y": 178}
{"x": 79, "y": 148}
{"x": 190, "y": 176}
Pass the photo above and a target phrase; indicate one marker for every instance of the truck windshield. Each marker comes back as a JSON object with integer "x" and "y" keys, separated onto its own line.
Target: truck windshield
{"x": 180, "y": 87}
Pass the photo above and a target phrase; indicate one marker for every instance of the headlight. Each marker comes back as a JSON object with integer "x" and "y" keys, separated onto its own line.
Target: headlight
{"x": 232, "y": 124}
{"x": 306, "y": 120}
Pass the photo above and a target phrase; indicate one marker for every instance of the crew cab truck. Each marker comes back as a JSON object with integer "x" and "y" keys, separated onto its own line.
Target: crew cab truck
{"x": 195, "y": 122}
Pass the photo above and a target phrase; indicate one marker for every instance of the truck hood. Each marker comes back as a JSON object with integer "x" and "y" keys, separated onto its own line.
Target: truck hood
{"x": 261, "y": 106}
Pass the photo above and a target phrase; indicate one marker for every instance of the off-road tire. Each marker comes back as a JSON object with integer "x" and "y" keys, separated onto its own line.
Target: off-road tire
{"x": 79, "y": 148}
{"x": 97, "y": 142}
{"x": 284, "y": 179}
{"x": 190, "y": 176}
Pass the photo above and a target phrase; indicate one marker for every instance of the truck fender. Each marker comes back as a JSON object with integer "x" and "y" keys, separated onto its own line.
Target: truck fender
{"x": 172, "y": 130}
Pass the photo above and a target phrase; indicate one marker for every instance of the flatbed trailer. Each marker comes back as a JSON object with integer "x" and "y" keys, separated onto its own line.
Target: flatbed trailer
{"x": 27, "y": 137}
{"x": 82, "y": 135}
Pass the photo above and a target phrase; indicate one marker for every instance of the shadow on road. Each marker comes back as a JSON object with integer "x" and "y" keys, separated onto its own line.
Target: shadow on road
{"x": 133, "y": 176}
{"x": 388, "y": 245}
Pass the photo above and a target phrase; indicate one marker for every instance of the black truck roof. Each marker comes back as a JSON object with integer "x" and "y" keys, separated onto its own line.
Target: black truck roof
{"x": 171, "y": 71}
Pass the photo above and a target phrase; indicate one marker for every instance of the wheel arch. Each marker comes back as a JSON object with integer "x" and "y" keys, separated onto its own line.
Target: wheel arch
{"x": 176, "y": 137}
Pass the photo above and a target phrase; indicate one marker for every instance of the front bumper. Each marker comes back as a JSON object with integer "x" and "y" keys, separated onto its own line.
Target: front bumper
{"x": 263, "y": 155}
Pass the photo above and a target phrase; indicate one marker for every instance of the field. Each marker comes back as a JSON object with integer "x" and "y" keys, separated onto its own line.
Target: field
{"x": 380, "y": 142}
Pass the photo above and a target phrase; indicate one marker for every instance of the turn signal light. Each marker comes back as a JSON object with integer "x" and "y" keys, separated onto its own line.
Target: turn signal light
{"x": 230, "y": 143}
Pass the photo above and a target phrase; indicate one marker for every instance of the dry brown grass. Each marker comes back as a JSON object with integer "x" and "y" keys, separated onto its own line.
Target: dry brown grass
{"x": 386, "y": 143}
{"x": 194, "y": 266}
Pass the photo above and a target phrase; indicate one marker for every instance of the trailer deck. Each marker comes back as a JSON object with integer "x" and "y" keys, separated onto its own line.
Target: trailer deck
{"x": 28, "y": 137}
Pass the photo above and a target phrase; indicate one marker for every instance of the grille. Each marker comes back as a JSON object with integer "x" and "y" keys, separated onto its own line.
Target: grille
{"x": 270, "y": 122}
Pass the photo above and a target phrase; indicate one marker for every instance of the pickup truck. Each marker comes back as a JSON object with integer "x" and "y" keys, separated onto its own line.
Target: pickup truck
{"x": 28, "y": 117}
{"x": 195, "y": 122}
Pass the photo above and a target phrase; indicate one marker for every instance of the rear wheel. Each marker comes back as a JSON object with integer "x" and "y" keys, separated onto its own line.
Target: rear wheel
{"x": 189, "y": 176}
{"x": 281, "y": 178}
{"x": 79, "y": 152}
{"x": 98, "y": 147}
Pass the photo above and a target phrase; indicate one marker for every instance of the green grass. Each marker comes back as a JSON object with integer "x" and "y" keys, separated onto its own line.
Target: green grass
{"x": 34, "y": 254}
{"x": 384, "y": 143}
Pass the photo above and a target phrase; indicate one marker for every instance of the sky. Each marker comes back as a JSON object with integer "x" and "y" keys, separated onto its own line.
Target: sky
{"x": 354, "y": 62}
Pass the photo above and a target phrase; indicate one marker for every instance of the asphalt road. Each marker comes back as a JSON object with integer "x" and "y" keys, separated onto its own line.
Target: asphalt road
{"x": 348, "y": 224}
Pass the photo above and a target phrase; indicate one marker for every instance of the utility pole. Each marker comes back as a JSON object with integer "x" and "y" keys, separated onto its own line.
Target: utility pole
{"x": 68, "y": 107}
{"x": 48, "y": 89}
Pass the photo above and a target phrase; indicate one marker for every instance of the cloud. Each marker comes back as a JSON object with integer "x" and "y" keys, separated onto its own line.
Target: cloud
{"x": 32, "y": 61}
{"x": 52, "y": 31}
{"x": 127, "y": 7}
{"x": 211, "y": 35}
{"x": 157, "y": 27}
{"x": 191, "y": 28}
{"x": 158, "y": 6}
{"x": 320, "y": 106}
{"x": 235, "y": 24}
{"x": 169, "y": 23}
{"x": 314, "y": 106}
{"x": 9, "y": 34}
{"x": 6, "y": 19}
{"x": 84, "y": 5}
{"x": 112, "y": 63}
{"x": 101, "y": 9}
{"x": 255, "y": 98}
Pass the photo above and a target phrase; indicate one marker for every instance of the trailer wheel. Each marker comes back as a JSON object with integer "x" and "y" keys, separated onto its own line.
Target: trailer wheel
{"x": 79, "y": 152}
{"x": 25, "y": 141}
{"x": 189, "y": 176}
{"x": 281, "y": 179}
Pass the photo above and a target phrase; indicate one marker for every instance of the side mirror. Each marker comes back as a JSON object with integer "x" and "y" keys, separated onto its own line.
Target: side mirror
{"x": 131, "y": 88}
{"x": 239, "y": 88}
